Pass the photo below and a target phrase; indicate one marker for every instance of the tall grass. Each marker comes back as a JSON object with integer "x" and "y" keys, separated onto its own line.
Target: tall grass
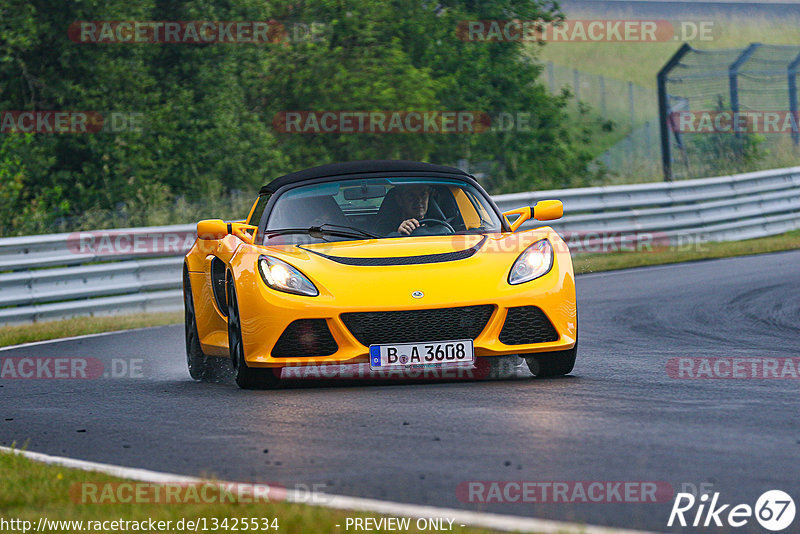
{"x": 640, "y": 62}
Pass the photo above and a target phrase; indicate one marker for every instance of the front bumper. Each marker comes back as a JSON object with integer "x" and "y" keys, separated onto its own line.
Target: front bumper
{"x": 266, "y": 314}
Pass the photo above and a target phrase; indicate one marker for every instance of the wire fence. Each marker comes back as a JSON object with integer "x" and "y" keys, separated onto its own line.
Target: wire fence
{"x": 629, "y": 109}
{"x": 722, "y": 110}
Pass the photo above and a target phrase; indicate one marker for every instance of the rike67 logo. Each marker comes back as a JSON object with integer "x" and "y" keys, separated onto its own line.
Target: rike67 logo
{"x": 774, "y": 510}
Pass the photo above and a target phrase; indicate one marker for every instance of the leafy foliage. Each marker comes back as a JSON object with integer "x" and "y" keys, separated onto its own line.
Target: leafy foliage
{"x": 724, "y": 152}
{"x": 208, "y": 109}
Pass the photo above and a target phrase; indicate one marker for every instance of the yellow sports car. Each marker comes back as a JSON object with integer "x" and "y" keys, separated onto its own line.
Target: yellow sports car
{"x": 394, "y": 264}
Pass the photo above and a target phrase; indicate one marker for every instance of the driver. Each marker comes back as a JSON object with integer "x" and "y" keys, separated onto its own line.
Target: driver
{"x": 413, "y": 202}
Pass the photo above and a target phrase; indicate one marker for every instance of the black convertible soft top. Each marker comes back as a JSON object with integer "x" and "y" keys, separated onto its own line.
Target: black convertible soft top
{"x": 357, "y": 167}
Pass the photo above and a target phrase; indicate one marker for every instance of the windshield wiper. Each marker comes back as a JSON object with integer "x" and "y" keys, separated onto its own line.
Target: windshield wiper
{"x": 325, "y": 229}
{"x": 352, "y": 229}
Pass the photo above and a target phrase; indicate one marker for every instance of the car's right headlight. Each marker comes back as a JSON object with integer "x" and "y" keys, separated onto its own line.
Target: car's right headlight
{"x": 536, "y": 261}
{"x": 279, "y": 275}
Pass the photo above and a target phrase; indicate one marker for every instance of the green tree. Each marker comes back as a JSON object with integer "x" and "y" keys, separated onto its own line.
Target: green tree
{"x": 208, "y": 109}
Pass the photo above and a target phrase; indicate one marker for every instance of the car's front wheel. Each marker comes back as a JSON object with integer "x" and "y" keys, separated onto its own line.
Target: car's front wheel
{"x": 201, "y": 366}
{"x": 548, "y": 364}
{"x": 246, "y": 377}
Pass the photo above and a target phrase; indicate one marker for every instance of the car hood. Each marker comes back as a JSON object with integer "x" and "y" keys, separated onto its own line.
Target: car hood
{"x": 401, "y": 251}
{"x": 422, "y": 248}
{"x": 410, "y": 263}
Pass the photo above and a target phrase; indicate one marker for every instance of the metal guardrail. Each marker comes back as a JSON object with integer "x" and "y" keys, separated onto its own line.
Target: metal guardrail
{"x": 726, "y": 208}
{"x": 138, "y": 269}
{"x": 103, "y": 272}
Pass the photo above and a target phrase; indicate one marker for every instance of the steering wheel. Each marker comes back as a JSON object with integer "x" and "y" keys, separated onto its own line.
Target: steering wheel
{"x": 434, "y": 222}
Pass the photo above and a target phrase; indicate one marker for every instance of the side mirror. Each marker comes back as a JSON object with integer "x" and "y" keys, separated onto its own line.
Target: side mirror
{"x": 210, "y": 229}
{"x": 548, "y": 210}
{"x": 544, "y": 210}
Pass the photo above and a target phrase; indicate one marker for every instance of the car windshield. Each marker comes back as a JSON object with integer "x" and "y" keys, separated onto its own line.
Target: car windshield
{"x": 378, "y": 208}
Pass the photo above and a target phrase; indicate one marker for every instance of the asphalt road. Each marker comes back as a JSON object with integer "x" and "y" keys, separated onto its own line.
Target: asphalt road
{"x": 618, "y": 417}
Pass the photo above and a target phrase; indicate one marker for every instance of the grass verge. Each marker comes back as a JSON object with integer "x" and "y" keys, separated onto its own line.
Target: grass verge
{"x": 13, "y": 335}
{"x": 32, "y": 490}
{"x": 589, "y": 263}
{"x": 639, "y": 62}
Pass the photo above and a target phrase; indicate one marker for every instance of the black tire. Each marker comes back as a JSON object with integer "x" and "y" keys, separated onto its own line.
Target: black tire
{"x": 201, "y": 366}
{"x": 245, "y": 377}
{"x": 549, "y": 364}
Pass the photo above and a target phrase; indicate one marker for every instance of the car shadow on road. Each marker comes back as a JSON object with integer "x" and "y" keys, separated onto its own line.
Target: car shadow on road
{"x": 351, "y": 376}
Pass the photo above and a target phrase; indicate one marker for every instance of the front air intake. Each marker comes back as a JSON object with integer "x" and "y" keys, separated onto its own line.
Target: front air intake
{"x": 304, "y": 338}
{"x": 526, "y": 325}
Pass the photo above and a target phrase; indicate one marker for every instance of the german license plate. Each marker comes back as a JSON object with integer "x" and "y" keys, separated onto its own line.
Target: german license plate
{"x": 436, "y": 353}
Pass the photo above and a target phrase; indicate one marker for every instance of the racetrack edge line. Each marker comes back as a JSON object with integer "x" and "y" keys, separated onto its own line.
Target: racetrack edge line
{"x": 82, "y": 336}
{"x": 341, "y": 502}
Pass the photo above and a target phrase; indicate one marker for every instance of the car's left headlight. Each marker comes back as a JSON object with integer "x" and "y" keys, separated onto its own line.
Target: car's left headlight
{"x": 281, "y": 276}
{"x": 536, "y": 261}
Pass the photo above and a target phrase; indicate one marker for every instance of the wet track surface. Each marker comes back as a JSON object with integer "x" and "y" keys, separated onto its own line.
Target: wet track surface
{"x": 618, "y": 417}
